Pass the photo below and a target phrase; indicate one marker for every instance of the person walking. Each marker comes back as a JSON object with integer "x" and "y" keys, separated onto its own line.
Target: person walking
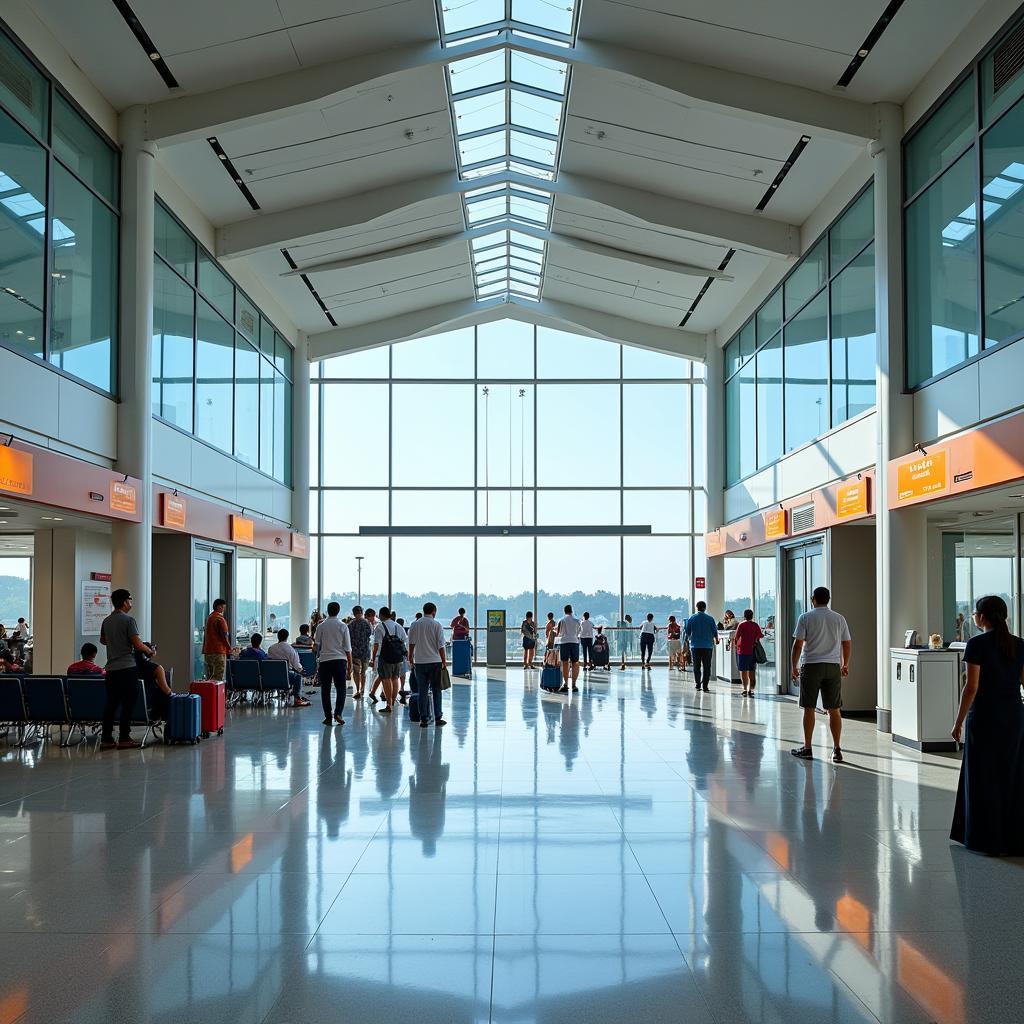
{"x": 988, "y": 816}
{"x": 648, "y": 631}
{"x": 216, "y": 641}
{"x": 334, "y": 647}
{"x": 374, "y": 678}
{"x": 460, "y": 626}
{"x": 283, "y": 651}
{"x": 550, "y": 629}
{"x": 569, "y": 634}
{"x": 747, "y": 635}
{"x": 674, "y": 632}
{"x": 427, "y": 654}
{"x": 821, "y": 658}
{"x": 119, "y": 633}
{"x": 360, "y": 631}
{"x": 701, "y": 637}
{"x": 587, "y": 641}
{"x": 528, "y": 631}
{"x": 389, "y": 640}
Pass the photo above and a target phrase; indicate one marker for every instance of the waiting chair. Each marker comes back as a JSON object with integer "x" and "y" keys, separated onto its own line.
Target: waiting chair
{"x": 243, "y": 677}
{"x": 46, "y": 705}
{"x": 308, "y": 659}
{"x": 12, "y": 705}
{"x": 274, "y": 679}
{"x": 87, "y": 700}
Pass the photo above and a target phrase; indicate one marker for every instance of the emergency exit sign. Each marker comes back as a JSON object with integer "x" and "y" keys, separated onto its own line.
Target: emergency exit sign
{"x": 700, "y": 583}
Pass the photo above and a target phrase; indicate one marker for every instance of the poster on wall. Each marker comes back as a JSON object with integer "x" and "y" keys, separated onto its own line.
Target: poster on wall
{"x": 95, "y": 606}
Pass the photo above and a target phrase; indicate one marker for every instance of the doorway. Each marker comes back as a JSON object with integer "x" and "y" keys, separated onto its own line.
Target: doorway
{"x": 209, "y": 581}
{"x": 803, "y": 569}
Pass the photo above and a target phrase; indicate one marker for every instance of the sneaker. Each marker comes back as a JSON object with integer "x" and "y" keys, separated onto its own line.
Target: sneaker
{"x": 129, "y": 745}
{"x": 108, "y": 745}
{"x": 563, "y": 689}
{"x": 804, "y": 753}
{"x": 705, "y": 689}
{"x": 339, "y": 719}
{"x": 423, "y": 724}
{"x": 385, "y": 710}
{"x": 575, "y": 689}
{"x": 327, "y": 721}
{"x": 301, "y": 702}
{"x": 439, "y": 723}
{"x": 837, "y": 756}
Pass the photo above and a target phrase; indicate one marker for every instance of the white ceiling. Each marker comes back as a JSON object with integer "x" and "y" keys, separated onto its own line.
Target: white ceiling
{"x": 397, "y": 129}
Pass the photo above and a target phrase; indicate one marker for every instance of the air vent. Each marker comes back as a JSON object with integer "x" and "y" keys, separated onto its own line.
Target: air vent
{"x": 1008, "y": 59}
{"x": 247, "y": 322}
{"x": 17, "y": 81}
{"x": 803, "y": 518}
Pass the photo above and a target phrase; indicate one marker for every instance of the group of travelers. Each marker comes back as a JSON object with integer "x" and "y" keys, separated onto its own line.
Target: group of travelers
{"x": 12, "y": 646}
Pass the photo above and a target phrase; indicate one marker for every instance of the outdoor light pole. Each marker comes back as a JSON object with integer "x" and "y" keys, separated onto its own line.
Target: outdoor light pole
{"x": 359, "y": 578}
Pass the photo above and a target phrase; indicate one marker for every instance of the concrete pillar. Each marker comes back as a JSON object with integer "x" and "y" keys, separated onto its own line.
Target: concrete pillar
{"x": 132, "y": 544}
{"x": 715, "y": 374}
{"x": 900, "y": 536}
{"x": 300, "y": 478}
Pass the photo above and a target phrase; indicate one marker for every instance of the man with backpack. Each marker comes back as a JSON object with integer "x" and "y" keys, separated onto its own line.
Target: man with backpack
{"x": 389, "y": 651}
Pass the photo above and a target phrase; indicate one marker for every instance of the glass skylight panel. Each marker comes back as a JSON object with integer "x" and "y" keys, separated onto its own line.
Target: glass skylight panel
{"x": 485, "y": 266}
{"x": 539, "y": 72}
{"x": 484, "y": 147}
{"x": 477, "y": 72}
{"x": 532, "y": 148}
{"x": 478, "y": 113}
{"x": 464, "y": 15}
{"x": 521, "y": 252}
{"x": 528, "y": 209}
{"x": 551, "y": 15}
{"x": 492, "y": 290}
{"x": 491, "y": 277}
{"x": 529, "y": 268}
{"x": 536, "y": 112}
{"x": 488, "y": 240}
{"x": 486, "y": 209}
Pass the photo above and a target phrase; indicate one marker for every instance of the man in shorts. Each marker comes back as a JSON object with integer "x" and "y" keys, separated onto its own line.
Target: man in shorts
{"x": 569, "y": 631}
{"x": 821, "y": 657}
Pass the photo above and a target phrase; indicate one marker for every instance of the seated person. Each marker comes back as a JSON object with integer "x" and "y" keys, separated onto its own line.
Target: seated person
{"x": 304, "y": 640}
{"x": 255, "y": 648}
{"x": 8, "y": 661}
{"x": 283, "y": 651}
{"x": 87, "y": 666}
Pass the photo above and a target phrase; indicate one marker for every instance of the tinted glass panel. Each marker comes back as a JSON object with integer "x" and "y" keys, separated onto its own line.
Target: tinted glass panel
{"x": 268, "y": 417}
{"x": 747, "y": 339}
{"x": 433, "y": 435}
{"x": 769, "y": 402}
{"x": 579, "y": 508}
{"x": 173, "y": 345}
{"x": 373, "y": 363}
{"x": 247, "y": 319}
{"x": 505, "y": 435}
{"x": 578, "y": 435}
{"x": 747, "y": 425}
{"x": 663, "y": 510}
{"x": 564, "y": 355}
{"x": 282, "y": 429}
{"x": 174, "y": 244}
{"x": 23, "y": 89}
{"x": 853, "y": 231}
{"x": 80, "y": 146}
{"x": 347, "y": 511}
{"x": 355, "y": 433}
{"x": 769, "y": 317}
{"x": 504, "y": 349}
{"x": 806, "y": 354}
{"x": 657, "y": 578}
{"x": 248, "y": 428}
{"x": 807, "y": 278}
{"x": 656, "y": 435}
{"x": 853, "y": 339}
{"x": 940, "y": 139}
{"x": 216, "y": 286}
{"x": 215, "y": 350}
{"x": 442, "y": 355}
{"x": 641, "y": 362}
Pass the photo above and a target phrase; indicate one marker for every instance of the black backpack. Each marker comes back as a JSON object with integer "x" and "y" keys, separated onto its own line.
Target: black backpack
{"x": 392, "y": 650}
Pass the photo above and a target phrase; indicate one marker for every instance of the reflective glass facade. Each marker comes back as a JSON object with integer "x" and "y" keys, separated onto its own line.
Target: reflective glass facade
{"x": 220, "y": 370}
{"x": 59, "y": 196}
{"x": 506, "y": 425}
{"x": 805, "y": 361}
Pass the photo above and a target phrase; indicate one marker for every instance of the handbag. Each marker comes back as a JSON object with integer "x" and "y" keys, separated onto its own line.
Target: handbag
{"x": 446, "y": 679}
{"x": 760, "y": 657}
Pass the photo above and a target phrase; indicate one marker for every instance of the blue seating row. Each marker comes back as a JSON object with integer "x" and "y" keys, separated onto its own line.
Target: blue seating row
{"x": 262, "y": 680}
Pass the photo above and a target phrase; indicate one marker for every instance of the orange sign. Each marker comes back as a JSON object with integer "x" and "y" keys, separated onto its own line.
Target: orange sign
{"x": 300, "y": 545}
{"x": 852, "y": 500}
{"x": 123, "y": 497}
{"x": 713, "y": 543}
{"x": 241, "y": 529}
{"x": 174, "y": 511}
{"x": 15, "y": 471}
{"x": 775, "y": 524}
{"x": 921, "y": 476}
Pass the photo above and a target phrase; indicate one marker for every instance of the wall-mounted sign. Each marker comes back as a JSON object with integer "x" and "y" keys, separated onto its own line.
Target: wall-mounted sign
{"x": 123, "y": 497}
{"x": 95, "y": 606}
{"x": 15, "y": 471}
{"x": 173, "y": 511}
{"x": 852, "y": 500}
{"x": 775, "y": 524}
{"x": 300, "y": 545}
{"x": 241, "y": 529}
{"x": 101, "y": 577}
{"x": 700, "y": 583}
{"x": 921, "y": 476}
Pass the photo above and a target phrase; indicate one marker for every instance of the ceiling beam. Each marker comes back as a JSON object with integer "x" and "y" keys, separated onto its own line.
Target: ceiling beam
{"x": 547, "y": 313}
{"x": 285, "y": 227}
{"x": 463, "y": 237}
{"x": 742, "y": 95}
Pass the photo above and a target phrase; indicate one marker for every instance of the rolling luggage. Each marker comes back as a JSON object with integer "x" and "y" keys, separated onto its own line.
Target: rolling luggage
{"x": 211, "y": 711}
{"x": 183, "y": 718}
{"x": 414, "y": 707}
{"x": 551, "y": 678}
{"x": 599, "y": 657}
{"x": 462, "y": 658}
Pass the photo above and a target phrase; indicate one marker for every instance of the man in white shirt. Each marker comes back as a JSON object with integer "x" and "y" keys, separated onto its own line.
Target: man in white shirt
{"x": 334, "y": 647}
{"x": 587, "y": 640}
{"x": 389, "y": 671}
{"x": 283, "y": 651}
{"x": 569, "y": 632}
{"x": 426, "y": 652}
{"x": 821, "y": 657}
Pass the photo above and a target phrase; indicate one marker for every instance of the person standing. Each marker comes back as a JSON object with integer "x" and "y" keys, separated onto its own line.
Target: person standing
{"x": 427, "y": 654}
{"x": 648, "y": 631}
{"x": 550, "y": 628}
{"x": 701, "y": 637}
{"x": 216, "y": 641}
{"x": 334, "y": 646}
{"x": 528, "y": 631}
{"x": 988, "y": 816}
{"x": 821, "y": 658}
{"x": 587, "y": 640}
{"x": 119, "y": 633}
{"x": 389, "y": 651}
{"x": 673, "y": 632}
{"x": 569, "y": 634}
{"x": 283, "y": 651}
{"x": 359, "y": 631}
{"x": 460, "y": 626}
{"x": 748, "y": 634}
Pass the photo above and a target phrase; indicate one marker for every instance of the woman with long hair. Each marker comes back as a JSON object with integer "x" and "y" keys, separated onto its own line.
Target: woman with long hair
{"x": 989, "y": 813}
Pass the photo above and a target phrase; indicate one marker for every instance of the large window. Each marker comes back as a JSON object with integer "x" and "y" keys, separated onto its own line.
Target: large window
{"x": 220, "y": 369}
{"x": 500, "y": 426}
{"x": 805, "y": 361}
{"x": 964, "y": 295}
{"x": 59, "y": 192}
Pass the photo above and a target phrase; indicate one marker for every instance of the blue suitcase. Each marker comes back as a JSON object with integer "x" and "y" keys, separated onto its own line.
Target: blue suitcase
{"x": 462, "y": 658}
{"x": 183, "y": 718}
{"x": 551, "y": 678}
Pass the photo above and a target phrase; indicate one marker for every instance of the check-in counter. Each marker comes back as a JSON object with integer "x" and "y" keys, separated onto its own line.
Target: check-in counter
{"x": 925, "y": 696}
{"x": 725, "y": 658}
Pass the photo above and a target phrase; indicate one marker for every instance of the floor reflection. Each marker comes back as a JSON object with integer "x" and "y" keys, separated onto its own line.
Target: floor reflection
{"x": 635, "y": 850}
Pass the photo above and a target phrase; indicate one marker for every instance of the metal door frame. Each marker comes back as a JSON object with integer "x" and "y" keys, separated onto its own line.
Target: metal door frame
{"x": 784, "y": 628}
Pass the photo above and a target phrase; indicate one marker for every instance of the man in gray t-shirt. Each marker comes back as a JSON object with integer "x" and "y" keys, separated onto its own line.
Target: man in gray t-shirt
{"x": 821, "y": 657}
{"x": 120, "y": 635}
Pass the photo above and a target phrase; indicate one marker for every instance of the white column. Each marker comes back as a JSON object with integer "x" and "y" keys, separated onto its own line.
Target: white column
{"x": 300, "y": 477}
{"x": 715, "y": 472}
{"x": 132, "y": 543}
{"x": 900, "y": 536}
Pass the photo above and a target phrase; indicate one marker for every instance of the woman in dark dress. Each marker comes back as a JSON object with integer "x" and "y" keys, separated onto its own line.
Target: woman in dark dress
{"x": 989, "y": 813}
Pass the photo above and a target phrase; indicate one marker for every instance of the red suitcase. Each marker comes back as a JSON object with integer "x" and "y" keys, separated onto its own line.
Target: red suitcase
{"x": 211, "y": 694}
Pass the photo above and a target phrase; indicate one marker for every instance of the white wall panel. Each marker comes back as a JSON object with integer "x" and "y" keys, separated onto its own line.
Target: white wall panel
{"x": 999, "y": 381}
{"x": 172, "y": 454}
{"x": 852, "y": 446}
{"x": 86, "y": 420}
{"x": 948, "y": 405}
{"x": 213, "y": 473}
{"x": 255, "y": 492}
{"x": 30, "y": 395}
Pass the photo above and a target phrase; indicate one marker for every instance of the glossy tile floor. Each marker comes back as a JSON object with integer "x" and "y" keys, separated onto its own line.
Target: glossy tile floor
{"x": 639, "y": 853}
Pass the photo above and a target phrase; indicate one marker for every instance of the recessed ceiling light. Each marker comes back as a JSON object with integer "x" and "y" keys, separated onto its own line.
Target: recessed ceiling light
{"x": 58, "y": 519}
{"x": 862, "y": 53}
{"x": 154, "y": 56}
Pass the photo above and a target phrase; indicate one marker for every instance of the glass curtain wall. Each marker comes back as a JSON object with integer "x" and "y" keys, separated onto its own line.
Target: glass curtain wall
{"x": 507, "y": 425}
{"x": 221, "y": 372}
{"x": 805, "y": 361}
{"x": 963, "y": 272}
{"x": 59, "y": 211}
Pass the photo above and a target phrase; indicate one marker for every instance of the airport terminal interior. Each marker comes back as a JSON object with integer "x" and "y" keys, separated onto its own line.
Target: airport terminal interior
{"x": 605, "y": 343}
